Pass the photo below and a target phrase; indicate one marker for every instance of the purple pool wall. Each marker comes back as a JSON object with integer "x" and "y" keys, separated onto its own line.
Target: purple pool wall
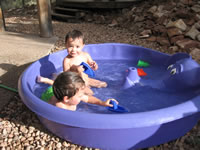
{"x": 111, "y": 131}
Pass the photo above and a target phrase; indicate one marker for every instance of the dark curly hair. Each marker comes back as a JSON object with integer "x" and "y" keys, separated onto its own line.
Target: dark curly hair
{"x": 74, "y": 34}
{"x": 67, "y": 84}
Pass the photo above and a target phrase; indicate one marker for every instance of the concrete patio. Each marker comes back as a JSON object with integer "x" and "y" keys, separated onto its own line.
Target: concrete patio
{"x": 18, "y": 51}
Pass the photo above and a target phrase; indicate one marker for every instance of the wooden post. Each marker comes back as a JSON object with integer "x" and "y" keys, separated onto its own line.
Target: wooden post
{"x": 23, "y": 3}
{"x": 45, "y": 21}
{"x": 2, "y": 21}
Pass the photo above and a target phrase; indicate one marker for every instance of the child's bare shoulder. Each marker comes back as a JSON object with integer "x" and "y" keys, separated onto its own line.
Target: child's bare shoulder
{"x": 58, "y": 104}
{"x": 84, "y": 98}
{"x": 85, "y": 54}
{"x": 66, "y": 60}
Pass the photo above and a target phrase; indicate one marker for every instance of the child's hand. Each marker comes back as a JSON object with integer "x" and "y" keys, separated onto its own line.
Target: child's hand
{"x": 93, "y": 65}
{"x": 107, "y": 102}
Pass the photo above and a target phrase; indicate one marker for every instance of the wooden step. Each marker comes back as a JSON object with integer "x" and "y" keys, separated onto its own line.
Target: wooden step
{"x": 64, "y": 17}
{"x": 96, "y": 4}
{"x": 68, "y": 11}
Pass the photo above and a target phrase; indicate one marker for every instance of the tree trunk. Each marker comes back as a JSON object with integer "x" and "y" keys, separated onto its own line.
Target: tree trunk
{"x": 45, "y": 21}
{"x": 2, "y": 21}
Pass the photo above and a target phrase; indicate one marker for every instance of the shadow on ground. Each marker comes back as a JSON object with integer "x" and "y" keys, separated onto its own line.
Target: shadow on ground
{"x": 10, "y": 79}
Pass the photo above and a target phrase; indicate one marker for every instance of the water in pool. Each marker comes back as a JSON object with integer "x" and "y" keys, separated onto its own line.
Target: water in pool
{"x": 144, "y": 96}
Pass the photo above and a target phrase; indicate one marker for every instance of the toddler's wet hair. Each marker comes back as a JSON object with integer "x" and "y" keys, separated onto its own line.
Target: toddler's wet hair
{"x": 67, "y": 84}
{"x": 74, "y": 34}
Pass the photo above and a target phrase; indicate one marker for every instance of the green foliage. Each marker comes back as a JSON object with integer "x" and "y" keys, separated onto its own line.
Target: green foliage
{"x": 7, "y": 4}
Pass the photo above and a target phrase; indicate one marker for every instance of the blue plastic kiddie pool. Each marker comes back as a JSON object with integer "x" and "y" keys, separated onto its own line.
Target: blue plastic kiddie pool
{"x": 161, "y": 106}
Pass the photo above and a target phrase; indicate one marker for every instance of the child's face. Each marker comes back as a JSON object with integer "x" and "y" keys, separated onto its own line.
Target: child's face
{"x": 75, "y": 100}
{"x": 74, "y": 47}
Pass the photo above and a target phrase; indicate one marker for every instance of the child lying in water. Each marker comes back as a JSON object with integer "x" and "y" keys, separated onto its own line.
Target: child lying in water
{"x": 80, "y": 71}
{"x": 69, "y": 91}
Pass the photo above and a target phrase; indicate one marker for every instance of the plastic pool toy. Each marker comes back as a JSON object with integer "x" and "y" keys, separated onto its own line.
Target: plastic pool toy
{"x": 132, "y": 77}
{"x": 88, "y": 70}
{"x": 142, "y": 64}
{"x": 163, "y": 106}
{"x": 117, "y": 108}
{"x": 141, "y": 72}
{"x": 48, "y": 93}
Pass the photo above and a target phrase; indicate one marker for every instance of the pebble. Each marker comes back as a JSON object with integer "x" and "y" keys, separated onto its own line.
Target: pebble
{"x": 4, "y": 132}
{"x": 58, "y": 145}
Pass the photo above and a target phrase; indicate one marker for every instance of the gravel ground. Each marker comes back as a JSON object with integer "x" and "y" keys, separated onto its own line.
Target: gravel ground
{"x": 18, "y": 132}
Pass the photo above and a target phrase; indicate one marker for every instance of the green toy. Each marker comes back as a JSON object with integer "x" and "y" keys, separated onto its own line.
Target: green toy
{"x": 47, "y": 94}
{"x": 143, "y": 64}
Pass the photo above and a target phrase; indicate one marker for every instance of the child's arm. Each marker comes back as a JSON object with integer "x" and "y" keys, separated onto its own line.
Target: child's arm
{"x": 66, "y": 64}
{"x": 95, "y": 100}
{"x": 91, "y": 62}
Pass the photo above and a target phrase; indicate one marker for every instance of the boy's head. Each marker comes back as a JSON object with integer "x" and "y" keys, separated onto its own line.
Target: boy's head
{"x": 74, "y": 34}
{"x": 67, "y": 84}
{"x": 74, "y": 42}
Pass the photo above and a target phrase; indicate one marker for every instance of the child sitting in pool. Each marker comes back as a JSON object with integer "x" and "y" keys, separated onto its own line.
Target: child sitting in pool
{"x": 74, "y": 41}
{"x": 68, "y": 89}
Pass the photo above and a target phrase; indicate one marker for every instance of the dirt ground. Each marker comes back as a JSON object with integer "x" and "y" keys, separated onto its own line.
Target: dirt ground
{"x": 94, "y": 33}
